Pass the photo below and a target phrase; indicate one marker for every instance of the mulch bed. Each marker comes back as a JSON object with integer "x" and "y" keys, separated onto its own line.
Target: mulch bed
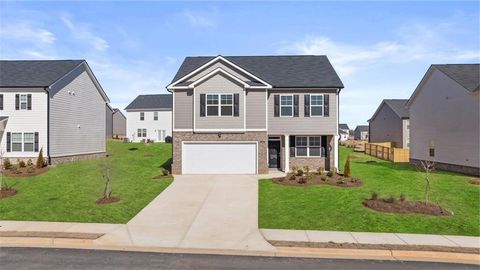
{"x": 475, "y": 181}
{"x": 316, "y": 179}
{"x": 7, "y": 192}
{"x": 161, "y": 176}
{"x": 26, "y": 171}
{"x": 405, "y": 207}
{"x": 107, "y": 200}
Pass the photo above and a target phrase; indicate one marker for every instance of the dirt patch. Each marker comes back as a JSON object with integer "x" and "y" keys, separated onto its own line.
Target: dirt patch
{"x": 147, "y": 155}
{"x": 161, "y": 176}
{"x": 405, "y": 207}
{"x": 25, "y": 171}
{"x": 105, "y": 200}
{"x": 317, "y": 179}
{"x": 7, "y": 192}
{"x": 475, "y": 181}
{"x": 374, "y": 246}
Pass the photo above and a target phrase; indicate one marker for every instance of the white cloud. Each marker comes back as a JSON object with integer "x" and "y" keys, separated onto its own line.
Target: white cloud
{"x": 82, "y": 33}
{"x": 199, "y": 20}
{"x": 26, "y": 31}
{"x": 34, "y": 54}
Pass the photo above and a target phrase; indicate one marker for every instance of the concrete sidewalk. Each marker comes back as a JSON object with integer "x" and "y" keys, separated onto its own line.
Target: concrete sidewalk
{"x": 367, "y": 238}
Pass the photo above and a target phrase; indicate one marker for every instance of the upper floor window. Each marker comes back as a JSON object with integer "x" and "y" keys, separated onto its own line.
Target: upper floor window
{"x": 212, "y": 105}
{"x": 23, "y": 102}
{"x": 226, "y": 105}
{"x": 142, "y": 116}
{"x": 1, "y": 102}
{"x": 316, "y": 105}
{"x": 286, "y": 105}
{"x": 219, "y": 105}
{"x": 155, "y": 116}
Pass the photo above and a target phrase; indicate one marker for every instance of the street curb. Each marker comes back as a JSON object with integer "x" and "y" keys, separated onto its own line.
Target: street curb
{"x": 331, "y": 253}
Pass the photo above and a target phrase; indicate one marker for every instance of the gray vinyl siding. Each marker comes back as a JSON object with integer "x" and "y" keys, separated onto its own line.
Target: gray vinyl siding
{"x": 108, "y": 122}
{"x": 256, "y": 109}
{"x": 302, "y": 125}
{"x": 219, "y": 83}
{"x": 447, "y": 114}
{"x": 119, "y": 124}
{"x": 77, "y": 121}
{"x": 387, "y": 126}
{"x": 216, "y": 65}
{"x": 183, "y": 111}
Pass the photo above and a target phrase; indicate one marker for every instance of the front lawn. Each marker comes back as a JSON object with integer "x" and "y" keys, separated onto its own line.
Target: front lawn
{"x": 68, "y": 191}
{"x": 324, "y": 207}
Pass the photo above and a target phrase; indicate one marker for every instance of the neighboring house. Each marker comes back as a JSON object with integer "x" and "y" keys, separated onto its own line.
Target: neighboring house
{"x": 119, "y": 124}
{"x": 58, "y": 106}
{"x": 390, "y": 123}
{"x": 109, "y": 122}
{"x": 246, "y": 114}
{"x": 343, "y": 131}
{"x": 361, "y": 133}
{"x": 149, "y": 117}
{"x": 444, "y": 118}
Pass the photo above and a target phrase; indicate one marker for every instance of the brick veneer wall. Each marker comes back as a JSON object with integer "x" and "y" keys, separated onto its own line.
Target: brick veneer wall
{"x": 260, "y": 137}
{"x": 315, "y": 162}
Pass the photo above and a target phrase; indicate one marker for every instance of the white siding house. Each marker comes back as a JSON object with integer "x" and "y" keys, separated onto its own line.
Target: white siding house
{"x": 149, "y": 117}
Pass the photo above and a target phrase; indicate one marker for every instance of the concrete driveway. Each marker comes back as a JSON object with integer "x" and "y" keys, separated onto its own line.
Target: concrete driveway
{"x": 200, "y": 211}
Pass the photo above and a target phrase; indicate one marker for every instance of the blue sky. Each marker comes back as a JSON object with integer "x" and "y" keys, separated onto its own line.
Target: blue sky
{"x": 380, "y": 49}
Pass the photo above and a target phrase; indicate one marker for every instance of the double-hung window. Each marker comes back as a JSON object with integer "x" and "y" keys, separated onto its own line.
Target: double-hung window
{"x": 212, "y": 105}
{"x": 142, "y": 116}
{"x": 23, "y": 102}
{"x": 316, "y": 105}
{"x": 308, "y": 146}
{"x": 226, "y": 105}
{"x": 155, "y": 116}
{"x": 16, "y": 142}
{"x": 28, "y": 142}
{"x": 219, "y": 104}
{"x": 141, "y": 132}
{"x": 286, "y": 105}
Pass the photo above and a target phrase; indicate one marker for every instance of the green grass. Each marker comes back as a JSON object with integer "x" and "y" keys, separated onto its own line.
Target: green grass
{"x": 68, "y": 191}
{"x": 326, "y": 207}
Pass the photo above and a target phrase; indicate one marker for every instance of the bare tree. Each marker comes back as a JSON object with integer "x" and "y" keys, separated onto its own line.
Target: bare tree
{"x": 428, "y": 167}
{"x": 107, "y": 190}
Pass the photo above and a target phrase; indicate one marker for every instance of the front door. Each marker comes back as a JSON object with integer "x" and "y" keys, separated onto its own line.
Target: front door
{"x": 274, "y": 154}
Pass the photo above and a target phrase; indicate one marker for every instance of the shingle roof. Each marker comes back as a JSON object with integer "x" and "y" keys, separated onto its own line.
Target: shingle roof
{"x": 25, "y": 73}
{"x": 398, "y": 106}
{"x": 343, "y": 126}
{"x": 467, "y": 75}
{"x": 362, "y": 128}
{"x": 279, "y": 71}
{"x": 162, "y": 102}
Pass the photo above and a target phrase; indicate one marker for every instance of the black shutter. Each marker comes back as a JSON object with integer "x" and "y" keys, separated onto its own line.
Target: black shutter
{"x": 36, "y": 142}
{"x": 236, "y": 107}
{"x": 295, "y": 105}
{"x": 8, "y": 141}
{"x": 276, "y": 107}
{"x": 1, "y": 102}
{"x": 202, "y": 105}
{"x": 17, "y": 102}
{"x": 326, "y": 108}
{"x": 307, "y": 106}
{"x": 292, "y": 146}
{"x": 29, "y": 101}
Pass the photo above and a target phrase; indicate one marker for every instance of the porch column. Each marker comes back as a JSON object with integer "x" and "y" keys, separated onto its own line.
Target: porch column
{"x": 287, "y": 153}
{"x": 335, "y": 152}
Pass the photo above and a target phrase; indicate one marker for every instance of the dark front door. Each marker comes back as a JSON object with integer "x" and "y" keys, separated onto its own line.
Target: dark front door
{"x": 274, "y": 154}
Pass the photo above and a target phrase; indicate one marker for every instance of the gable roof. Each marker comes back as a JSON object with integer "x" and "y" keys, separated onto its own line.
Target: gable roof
{"x": 116, "y": 110}
{"x": 467, "y": 75}
{"x": 361, "y": 128}
{"x": 148, "y": 102}
{"x": 26, "y": 73}
{"x": 343, "y": 126}
{"x": 295, "y": 71}
{"x": 398, "y": 106}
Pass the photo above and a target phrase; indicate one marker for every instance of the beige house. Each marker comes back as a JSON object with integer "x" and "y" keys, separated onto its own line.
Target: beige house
{"x": 249, "y": 114}
{"x": 444, "y": 118}
{"x": 390, "y": 123}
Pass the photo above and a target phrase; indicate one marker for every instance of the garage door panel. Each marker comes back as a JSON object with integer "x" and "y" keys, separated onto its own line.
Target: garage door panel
{"x": 219, "y": 158}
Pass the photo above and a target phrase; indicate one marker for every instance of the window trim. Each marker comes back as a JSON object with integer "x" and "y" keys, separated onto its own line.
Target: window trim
{"x": 322, "y": 106}
{"x": 20, "y": 102}
{"x": 142, "y": 116}
{"x": 32, "y": 142}
{"x": 141, "y": 132}
{"x": 308, "y": 146}
{"x": 21, "y": 142}
{"x": 155, "y": 116}
{"x": 219, "y": 104}
{"x": 291, "y": 106}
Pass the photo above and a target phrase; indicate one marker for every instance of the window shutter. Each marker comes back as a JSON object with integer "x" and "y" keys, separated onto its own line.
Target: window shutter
{"x": 326, "y": 107}
{"x": 276, "y": 107}
{"x": 295, "y": 105}
{"x": 36, "y": 142}
{"x": 202, "y": 105}
{"x": 8, "y": 141}
{"x": 307, "y": 106}
{"x": 236, "y": 107}
{"x": 29, "y": 101}
{"x": 1, "y": 102}
{"x": 17, "y": 102}
{"x": 292, "y": 146}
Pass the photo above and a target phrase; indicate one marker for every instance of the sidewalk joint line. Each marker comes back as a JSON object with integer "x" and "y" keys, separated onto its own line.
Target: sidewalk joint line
{"x": 354, "y": 238}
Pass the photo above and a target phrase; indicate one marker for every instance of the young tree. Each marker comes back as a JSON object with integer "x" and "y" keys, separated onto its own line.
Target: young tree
{"x": 40, "y": 160}
{"x": 427, "y": 166}
{"x": 107, "y": 190}
{"x": 3, "y": 182}
{"x": 346, "y": 169}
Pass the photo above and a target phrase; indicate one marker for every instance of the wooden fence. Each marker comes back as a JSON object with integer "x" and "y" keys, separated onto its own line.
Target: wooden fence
{"x": 385, "y": 151}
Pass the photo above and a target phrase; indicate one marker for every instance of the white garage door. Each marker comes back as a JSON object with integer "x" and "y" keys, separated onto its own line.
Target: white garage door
{"x": 219, "y": 158}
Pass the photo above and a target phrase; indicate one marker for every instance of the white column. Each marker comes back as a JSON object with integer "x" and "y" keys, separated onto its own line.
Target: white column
{"x": 287, "y": 153}
{"x": 335, "y": 151}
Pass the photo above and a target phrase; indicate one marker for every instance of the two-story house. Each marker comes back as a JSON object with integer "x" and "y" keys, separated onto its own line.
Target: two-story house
{"x": 343, "y": 132}
{"x": 361, "y": 133}
{"x": 391, "y": 123}
{"x": 149, "y": 117}
{"x": 246, "y": 114}
{"x": 58, "y": 106}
